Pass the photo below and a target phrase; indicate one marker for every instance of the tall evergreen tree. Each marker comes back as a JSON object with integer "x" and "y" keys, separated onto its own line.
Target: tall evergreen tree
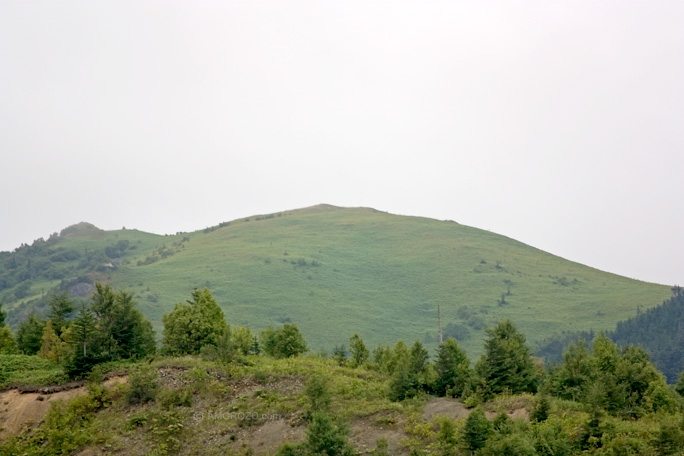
{"x": 131, "y": 331}
{"x": 453, "y": 368}
{"x": 399, "y": 358}
{"x": 30, "y": 334}
{"x": 571, "y": 379}
{"x": 359, "y": 352}
{"x": 84, "y": 330}
{"x": 83, "y": 337}
{"x": 122, "y": 330}
{"x": 404, "y": 383}
{"x": 61, "y": 308}
{"x": 418, "y": 357}
{"x": 507, "y": 364}
{"x": 476, "y": 430}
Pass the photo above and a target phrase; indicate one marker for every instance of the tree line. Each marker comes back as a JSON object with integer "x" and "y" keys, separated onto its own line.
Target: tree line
{"x": 605, "y": 379}
{"x": 109, "y": 327}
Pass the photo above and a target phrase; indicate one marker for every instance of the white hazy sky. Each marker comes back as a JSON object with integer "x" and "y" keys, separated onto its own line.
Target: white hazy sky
{"x": 557, "y": 123}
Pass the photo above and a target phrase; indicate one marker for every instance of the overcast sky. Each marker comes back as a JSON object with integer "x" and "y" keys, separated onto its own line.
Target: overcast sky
{"x": 556, "y": 123}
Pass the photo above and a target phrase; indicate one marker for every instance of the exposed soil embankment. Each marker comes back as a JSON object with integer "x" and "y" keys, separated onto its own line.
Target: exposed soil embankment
{"x": 27, "y": 406}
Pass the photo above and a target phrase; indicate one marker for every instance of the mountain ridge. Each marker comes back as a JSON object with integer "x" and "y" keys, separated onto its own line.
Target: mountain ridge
{"x": 336, "y": 271}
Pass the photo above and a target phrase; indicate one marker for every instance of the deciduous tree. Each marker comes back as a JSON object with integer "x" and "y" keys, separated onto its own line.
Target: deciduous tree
{"x": 191, "y": 325}
{"x": 284, "y": 342}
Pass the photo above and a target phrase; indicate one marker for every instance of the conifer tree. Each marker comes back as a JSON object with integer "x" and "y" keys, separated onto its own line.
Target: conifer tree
{"x": 476, "y": 430}
{"x": 255, "y": 348}
{"x": 339, "y": 354}
{"x": 418, "y": 357}
{"x": 447, "y": 437}
{"x": 359, "y": 352}
{"x": 327, "y": 436}
{"x": 82, "y": 334}
{"x": 507, "y": 364}
{"x": 61, "y": 307}
{"x": 541, "y": 409}
{"x": 29, "y": 334}
{"x": 84, "y": 329}
{"x": 453, "y": 368}
{"x": 318, "y": 392}
{"x": 404, "y": 383}
{"x": 576, "y": 372}
{"x": 52, "y": 345}
{"x": 7, "y": 343}
{"x": 679, "y": 386}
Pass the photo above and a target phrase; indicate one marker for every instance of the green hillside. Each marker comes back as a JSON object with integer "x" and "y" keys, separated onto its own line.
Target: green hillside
{"x": 335, "y": 272}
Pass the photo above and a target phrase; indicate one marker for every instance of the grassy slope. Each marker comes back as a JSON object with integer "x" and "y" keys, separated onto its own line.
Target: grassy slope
{"x": 338, "y": 271}
{"x": 380, "y": 275}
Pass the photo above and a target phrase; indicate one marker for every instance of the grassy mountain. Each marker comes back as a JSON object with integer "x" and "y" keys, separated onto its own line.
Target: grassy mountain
{"x": 335, "y": 272}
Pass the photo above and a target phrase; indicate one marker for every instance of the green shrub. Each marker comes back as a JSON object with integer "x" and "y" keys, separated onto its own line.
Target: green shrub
{"x": 318, "y": 393}
{"x": 328, "y": 436}
{"x": 541, "y": 409}
{"x": 8, "y": 345}
{"x": 29, "y": 370}
{"x": 514, "y": 444}
{"x": 170, "y": 398}
{"x": 291, "y": 449}
{"x": 551, "y": 440}
{"x": 670, "y": 437}
{"x": 381, "y": 447}
{"x": 144, "y": 385}
{"x": 284, "y": 342}
{"x": 167, "y": 430}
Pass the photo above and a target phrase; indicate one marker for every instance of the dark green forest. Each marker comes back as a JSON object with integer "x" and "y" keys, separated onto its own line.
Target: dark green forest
{"x": 659, "y": 331}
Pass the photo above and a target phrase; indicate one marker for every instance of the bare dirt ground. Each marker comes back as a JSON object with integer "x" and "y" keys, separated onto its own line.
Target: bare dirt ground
{"x": 365, "y": 432}
{"x": 20, "y": 410}
{"x": 451, "y": 408}
{"x": 267, "y": 438}
{"x": 27, "y": 409}
{"x": 444, "y": 406}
